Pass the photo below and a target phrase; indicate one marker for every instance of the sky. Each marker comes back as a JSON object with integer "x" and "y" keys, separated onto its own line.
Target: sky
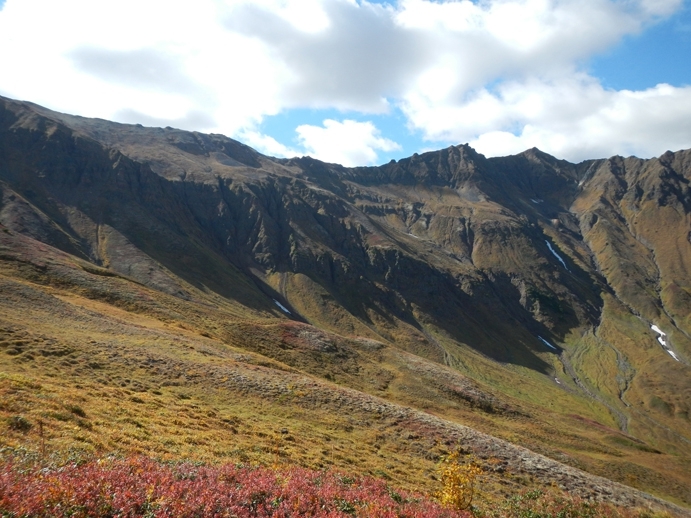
{"x": 360, "y": 82}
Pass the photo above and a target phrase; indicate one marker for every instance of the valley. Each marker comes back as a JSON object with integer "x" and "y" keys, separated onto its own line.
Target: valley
{"x": 180, "y": 295}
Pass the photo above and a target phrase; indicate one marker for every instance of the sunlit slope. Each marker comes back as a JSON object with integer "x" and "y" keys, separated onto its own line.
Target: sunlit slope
{"x": 97, "y": 363}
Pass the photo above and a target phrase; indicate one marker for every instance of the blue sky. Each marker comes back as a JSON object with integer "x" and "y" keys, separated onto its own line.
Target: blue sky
{"x": 358, "y": 82}
{"x": 660, "y": 54}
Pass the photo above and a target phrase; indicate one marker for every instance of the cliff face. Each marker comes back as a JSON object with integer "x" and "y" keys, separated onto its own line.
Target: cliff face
{"x": 491, "y": 252}
{"x": 525, "y": 263}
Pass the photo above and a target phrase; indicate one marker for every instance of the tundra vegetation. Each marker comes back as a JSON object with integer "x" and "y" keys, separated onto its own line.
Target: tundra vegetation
{"x": 141, "y": 487}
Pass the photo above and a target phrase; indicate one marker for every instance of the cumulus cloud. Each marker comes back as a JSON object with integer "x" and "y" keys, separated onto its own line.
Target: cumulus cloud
{"x": 267, "y": 144}
{"x": 356, "y": 62}
{"x": 577, "y": 121}
{"x": 503, "y": 75}
{"x": 164, "y": 60}
{"x": 137, "y": 68}
{"x": 349, "y": 143}
{"x": 529, "y": 52}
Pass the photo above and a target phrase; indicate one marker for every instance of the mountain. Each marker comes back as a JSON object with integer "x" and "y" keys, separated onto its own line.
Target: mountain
{"x": 193, "y": 297}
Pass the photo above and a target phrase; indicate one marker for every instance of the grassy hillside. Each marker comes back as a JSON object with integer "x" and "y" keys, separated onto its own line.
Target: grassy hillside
{"x": 96, "y": 363}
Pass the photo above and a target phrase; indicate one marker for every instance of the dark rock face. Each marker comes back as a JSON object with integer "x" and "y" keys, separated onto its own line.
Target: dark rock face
{"x": 492, "y": 252}
{"x": 433, "y": 253}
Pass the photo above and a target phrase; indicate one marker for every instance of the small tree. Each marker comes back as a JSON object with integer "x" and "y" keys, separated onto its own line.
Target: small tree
{"x": 458, "y": 482}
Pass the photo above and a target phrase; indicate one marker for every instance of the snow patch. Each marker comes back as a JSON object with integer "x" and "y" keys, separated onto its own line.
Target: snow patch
{"x": 547, "y": 343}
{"x": 536, "y": 201}
{"x": 557, "y": 255}
{"x": 657, "y": 330}
{"x": 282, "y": 307}
{"x": 663, "y": 341}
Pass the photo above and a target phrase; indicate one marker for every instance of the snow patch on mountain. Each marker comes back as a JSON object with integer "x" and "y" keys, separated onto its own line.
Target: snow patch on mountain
{"x": 663, "y": 341}
{"x": 547, "y": 343}
{"x": 671, "y": 353}
{"x": 657, "y": 330}
{"x": 282, "y": 307}
{"x": 557, "y": 255}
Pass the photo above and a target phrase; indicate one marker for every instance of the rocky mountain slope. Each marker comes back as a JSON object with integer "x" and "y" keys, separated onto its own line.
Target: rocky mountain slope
{"x": 543, "y": 302}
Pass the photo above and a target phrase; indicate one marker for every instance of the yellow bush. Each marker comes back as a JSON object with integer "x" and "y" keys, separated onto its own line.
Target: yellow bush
{"x": 458, "y": 482}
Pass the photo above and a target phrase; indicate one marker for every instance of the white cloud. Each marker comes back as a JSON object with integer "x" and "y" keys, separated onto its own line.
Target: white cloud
{"x": 267, "y": 144}
{"x": 528, "y": 52}
{"x": 362, "y": 58}
{"x": 162, "y": 59}
{"x": 504, "y": 75}
{"x": 659, "y": 7}
{"x": 349, "y": 143}
{"x": 306, "y": 16}
{"x": 573, "y": 118}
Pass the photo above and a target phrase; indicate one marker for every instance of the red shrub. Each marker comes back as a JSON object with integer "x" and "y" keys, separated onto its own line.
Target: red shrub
{"x": 142, "y": 487}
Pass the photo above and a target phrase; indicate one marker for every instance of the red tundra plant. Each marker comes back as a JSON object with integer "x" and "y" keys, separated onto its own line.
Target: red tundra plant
{"x": 141, "y": 487}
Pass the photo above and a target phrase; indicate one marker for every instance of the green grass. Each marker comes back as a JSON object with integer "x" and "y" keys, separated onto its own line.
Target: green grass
{"x": 101, "y": 364}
